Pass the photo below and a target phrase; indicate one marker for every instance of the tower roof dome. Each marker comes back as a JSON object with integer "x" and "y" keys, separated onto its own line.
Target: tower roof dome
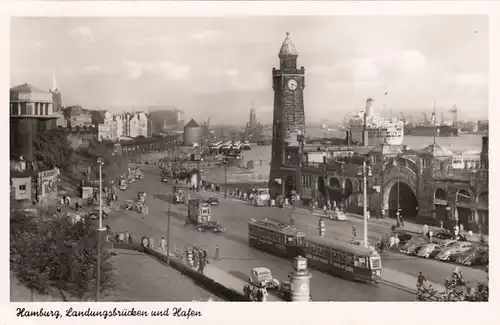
{"x": 288, "y": 48}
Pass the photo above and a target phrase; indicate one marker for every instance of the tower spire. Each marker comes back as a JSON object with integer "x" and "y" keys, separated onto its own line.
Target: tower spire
{"x": 54, "y": 83}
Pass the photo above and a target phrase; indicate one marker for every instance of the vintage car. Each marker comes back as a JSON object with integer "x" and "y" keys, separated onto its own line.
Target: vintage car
{"x": 428, "y": 249}
{"x": 210, "y": 226}
{"x": 457, "y": 247}
{"x": 285, "y": 291}
{"x": 444, "y": 235}
{"x": 474, "y": 256}
{"x": 442, "y": 245}
{"x": 403, "y": 236}
{"x": 213, "y": 201}
{"x": 337, "y": 215}
{"x": 263, "y": 278}
{"x": 412, "y": 247}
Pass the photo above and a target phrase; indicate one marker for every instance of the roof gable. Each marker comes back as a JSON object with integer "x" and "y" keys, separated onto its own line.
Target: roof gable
{"x": 192, "y": 124}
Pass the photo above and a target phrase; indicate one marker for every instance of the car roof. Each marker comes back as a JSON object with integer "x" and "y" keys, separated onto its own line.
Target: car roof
{"x": 261, "y": 269}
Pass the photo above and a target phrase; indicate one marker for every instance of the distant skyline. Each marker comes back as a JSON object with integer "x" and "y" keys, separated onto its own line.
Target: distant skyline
{"x": 217, "y": 67}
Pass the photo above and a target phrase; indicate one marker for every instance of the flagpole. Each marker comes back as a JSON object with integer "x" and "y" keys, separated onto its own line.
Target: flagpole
{"x": 434, "y": 123}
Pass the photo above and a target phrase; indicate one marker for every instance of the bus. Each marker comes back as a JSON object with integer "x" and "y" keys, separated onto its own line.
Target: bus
{"x": 275, "y": 237}
{"x": 343, "y": 259}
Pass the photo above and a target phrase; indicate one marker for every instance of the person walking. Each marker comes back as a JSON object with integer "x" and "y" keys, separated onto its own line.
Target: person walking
{"x": 425, "y": 230}
{"x": 420, "y": 280}
{"x": 354, "y": 231}
{"x": 163, "y": 244}
{"x": 216, "y": 252}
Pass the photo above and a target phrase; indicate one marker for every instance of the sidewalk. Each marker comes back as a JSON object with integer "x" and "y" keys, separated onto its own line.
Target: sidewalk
{"x": 405, "y": 281}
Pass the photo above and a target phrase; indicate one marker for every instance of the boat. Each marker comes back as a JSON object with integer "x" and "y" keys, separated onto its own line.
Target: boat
{"x": 426, "y": 130}
{"x": 380, "y": 130}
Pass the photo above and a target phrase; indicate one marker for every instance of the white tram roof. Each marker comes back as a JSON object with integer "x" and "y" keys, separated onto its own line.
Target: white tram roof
{"x": 339, "y": 245}
{"x": 277, "y": 226}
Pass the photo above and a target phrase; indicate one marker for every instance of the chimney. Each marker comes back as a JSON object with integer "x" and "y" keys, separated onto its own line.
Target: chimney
{"x": 484, "y": 153}
{"x": 368, "y": 109}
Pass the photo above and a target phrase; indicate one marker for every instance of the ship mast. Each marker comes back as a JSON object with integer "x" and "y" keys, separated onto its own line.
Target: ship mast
{"x": 434, "y": 123}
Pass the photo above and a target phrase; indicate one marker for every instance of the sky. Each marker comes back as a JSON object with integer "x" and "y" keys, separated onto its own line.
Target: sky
{"x": 217, "y": 67}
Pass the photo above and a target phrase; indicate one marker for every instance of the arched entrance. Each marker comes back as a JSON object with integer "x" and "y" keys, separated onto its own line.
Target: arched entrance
{"x": 320, "y": 188}
{"x": 401, "y": 196}
{"x": 289, "y": 185}
{"x": 334, "y": 191}
{"x": 348, "y": 190}
{"x": 482, "y": 211}
{"x": 463, "y": 212}
{"x": 440, "y": 204}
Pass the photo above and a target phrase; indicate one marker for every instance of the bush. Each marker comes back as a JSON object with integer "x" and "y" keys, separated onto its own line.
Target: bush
{"x": 52, "y": 148}
{"x": 455, "y": 290}
{"x": 48, "y": 254}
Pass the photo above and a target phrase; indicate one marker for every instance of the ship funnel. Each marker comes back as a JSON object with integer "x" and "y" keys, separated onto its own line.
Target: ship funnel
{"x": 369, "y": 108}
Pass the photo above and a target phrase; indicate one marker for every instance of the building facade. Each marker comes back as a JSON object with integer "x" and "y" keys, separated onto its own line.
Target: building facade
{"x": 288, "y": 121}
{"x": 79, "y": 117}
{"x": 31, "y": 111}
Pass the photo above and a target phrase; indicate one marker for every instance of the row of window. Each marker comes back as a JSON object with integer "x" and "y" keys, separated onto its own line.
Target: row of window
{"x": 29, "y": 109}
{"x": 268, "y": 234}
{"x": 337, "y": 256}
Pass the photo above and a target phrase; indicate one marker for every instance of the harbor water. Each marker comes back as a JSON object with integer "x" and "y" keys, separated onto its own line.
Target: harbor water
{"x": 261, "y": 155}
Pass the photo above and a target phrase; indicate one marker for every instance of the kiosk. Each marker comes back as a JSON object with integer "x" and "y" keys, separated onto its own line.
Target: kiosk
{"x": 299, "y": 279}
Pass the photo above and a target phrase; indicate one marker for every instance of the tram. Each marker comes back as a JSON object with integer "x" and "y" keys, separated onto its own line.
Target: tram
{"x": 357, "y": 263}
{"x": 325, "y": 254}
{"x": 275, "y": 237}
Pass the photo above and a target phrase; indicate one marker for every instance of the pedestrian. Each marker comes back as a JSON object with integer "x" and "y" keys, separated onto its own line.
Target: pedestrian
{"x": 216, "y": 252}
{"x": 205, "y": 253}
{"x": 127, "y": 236}
{"x": 77, "y": 206}
{"x": 430, "y": 236}
{"x": 392, "y": 241}
{"x": 260, "y": 295}
{"x": 151, "y": 243}
{"x": 201, "y": 267}
{"x": 354, "y": 231}
{"x": 163, "y": 244}
{"x": 121, "y": 237}
{"x": 420, "y": 279}
{"x": 200, "y": 255}
{"x": 264, "y": 294}
{"x": 325, "y": 209}
{"x": 461, "y": 229}
{"x": 425, "y": 230}
{"x": 441, "y": 223}
{"x": 402, "y": 220}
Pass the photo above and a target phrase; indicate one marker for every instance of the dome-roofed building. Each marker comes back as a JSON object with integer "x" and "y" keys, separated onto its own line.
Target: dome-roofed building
{"x": 31, "y": 111}
{"x": 192, "y": 133}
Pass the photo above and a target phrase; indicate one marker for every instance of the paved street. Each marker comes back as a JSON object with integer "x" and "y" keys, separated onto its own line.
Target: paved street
{"x": 236, "y": 257}
{"x": 434, "y": 270}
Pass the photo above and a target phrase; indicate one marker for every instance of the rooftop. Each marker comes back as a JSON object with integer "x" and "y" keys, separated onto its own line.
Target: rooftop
{"x": 436, "y": 150}
{"x": 288, "y": 48}
{"x": 27, "y": 88}
{"x": 192, "y": 124}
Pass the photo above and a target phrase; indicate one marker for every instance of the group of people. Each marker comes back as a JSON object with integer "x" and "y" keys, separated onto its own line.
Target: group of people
{"x": 197, "y": 257}
{"x": 258, "y": 294}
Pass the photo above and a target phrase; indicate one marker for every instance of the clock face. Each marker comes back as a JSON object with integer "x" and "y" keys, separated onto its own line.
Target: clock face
{"x": 292, "y": 84}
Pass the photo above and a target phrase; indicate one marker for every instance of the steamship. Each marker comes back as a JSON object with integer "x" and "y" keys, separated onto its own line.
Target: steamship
{"x": 378, "y": 129}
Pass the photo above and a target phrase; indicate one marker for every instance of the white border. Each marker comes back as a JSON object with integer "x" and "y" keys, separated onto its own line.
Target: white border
{"x": 223, "y": 313}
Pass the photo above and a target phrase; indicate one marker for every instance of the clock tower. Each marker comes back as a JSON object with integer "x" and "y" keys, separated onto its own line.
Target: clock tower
{"x": 288, "y": 122}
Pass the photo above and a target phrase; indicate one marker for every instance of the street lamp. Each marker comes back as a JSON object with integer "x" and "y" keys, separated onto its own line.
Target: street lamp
{"x": 168, "y": 227}
{"x": 365, "y": 172}
{"x": 100, "y": 162}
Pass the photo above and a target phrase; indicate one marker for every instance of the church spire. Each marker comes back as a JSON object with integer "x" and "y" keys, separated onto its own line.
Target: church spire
{"x": 54, "y": 83}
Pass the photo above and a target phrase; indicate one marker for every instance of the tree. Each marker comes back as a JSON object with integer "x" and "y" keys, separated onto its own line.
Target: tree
{"x": 456, "y": 289}
{"x": 48, "y": 254}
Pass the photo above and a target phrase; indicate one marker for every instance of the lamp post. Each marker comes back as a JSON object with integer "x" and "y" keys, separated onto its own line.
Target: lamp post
{"x": 365, "y": 172}
{"x": 225, "y": 179}
{"x": 168, "y": 229}
{"x": 100, "y": 161}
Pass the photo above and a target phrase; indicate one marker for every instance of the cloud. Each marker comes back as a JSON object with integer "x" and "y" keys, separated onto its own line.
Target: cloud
{"x": 167, "y": 69}
{"x": 84, "y": 32}
{"x": 207, "y": 35}
{"x": 472, "y": 79}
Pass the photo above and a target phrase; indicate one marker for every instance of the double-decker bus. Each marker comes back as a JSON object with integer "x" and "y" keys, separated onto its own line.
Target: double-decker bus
{"x": 275, "y": 237}
{"x": 343, "y": 259}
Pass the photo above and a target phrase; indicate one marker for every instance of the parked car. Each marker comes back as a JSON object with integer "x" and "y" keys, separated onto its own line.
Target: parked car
{"x": 442, "y": 245}
{"x": 213, "y": 201}
{"x": 474, "y": 256}
{"x": 428, "y": 249}
{"x": 263, "y": 278}
{"x": 164, "y": 179}
{"x": 412, "y": 247}
{"x": 285, "y": 291}
{"x": 403, "y": 236}
{"x": 210, "y": 226}
{"x": 446, "y": 235}
{"x": 337, "y": 215}
{"x": 457, "y": 247}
